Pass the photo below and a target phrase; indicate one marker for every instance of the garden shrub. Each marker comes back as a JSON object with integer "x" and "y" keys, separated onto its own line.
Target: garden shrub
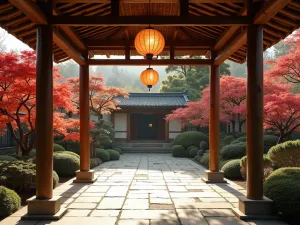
{"x": 240, "y": 134}
{"x": 189, "y": 149}
{"x": 233, "y": 151}
{"x": 190, "y": 138}
{"x": 283, "y": 186}
{"x": 228, "y": 139}
{"x": 203, "y": 145}
{"x": 10, "y": 201}
{"x": 95, "y": 162}
{"x": 71, "y": 153}
{"x": 179, "y": 151}
{"x": 114, "y": 155}
{"x": 193, "y": 152}
{"x": 222, "y": 162}
{"x": 269, "y": 141}
{"x": 58, "y": 148}
{"x": 119, "y": 150}
{"x": 200, "y": 152}
{"x": 197, "y": 158}
{"x": 73, "y": 146}
{"x": 32, "y": 153}
{"x": 7, "y": 158}
{"x": 232, "y": 169}
{"x": 65, "y": 165}
{"x": 267, "y": 162}
{"x": 286, "y": 154}
{"x": 102, "y": 154}
{"x": 20, "y": 175}
{"x": 204, "y": 161}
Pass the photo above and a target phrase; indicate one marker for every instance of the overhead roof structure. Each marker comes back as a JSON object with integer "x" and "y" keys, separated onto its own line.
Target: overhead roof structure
{"x": 146, "y": 100}
{"x": 108, "y": 27}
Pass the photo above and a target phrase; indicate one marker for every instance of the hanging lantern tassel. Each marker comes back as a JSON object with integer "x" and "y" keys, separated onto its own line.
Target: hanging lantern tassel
{"x": 149, "y": 77}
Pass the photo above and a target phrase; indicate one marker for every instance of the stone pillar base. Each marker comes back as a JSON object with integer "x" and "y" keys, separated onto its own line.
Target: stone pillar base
{"x": 85, "y": 176}
{"x": 255, "y": 209}
{"x": 48, "y": 209}
{"x": 214, "y": 177}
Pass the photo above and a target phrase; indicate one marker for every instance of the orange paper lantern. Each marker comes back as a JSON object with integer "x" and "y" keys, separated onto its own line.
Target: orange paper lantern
{"x": 149, "y": 77}
{"x": 149, "y": 42}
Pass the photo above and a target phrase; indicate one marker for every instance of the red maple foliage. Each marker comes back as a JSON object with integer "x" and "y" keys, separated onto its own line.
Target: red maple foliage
{"x": 18, "y": 96}
{"x": 287, "y": 66}
{"x": 102, "y": 99}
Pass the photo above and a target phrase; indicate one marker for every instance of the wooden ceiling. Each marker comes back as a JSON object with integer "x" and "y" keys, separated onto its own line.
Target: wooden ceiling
{"x": 281, "y": 18}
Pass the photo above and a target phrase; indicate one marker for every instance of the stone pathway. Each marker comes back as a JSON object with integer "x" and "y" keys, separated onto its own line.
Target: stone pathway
{"x": 147, "y": 189}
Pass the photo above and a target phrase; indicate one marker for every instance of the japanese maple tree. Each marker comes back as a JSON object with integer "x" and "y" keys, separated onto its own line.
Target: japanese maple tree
{"x": 102, "y": 99}
{"x": 18, "y": 96}
{"x": 288, "y": 66}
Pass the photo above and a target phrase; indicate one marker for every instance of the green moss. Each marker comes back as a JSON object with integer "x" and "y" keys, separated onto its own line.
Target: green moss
{"x": 114, "y": 155}
{"x": 233, "y": 151}
{"x": 10, "y": 201}
{"x": 190, "y": 138}
{"x": 102, "y": 154}
{"x": 232, "y": 169}
{"x": 203, "y": 145}
{"x": 7, "y": 158}
{"x": 58, "y": 148}
{"x": 65, "y": 165}
{"x": 179, "y": 151}
{"x": 193, "y": 152}
{"x": 286, "y": 154}
{"x": 283, "y": 186}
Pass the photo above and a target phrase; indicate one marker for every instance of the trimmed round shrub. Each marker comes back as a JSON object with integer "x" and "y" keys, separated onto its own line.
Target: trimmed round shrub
{"x": 197, "y": 158}
{"x": 179, "y": 151}
{"x": 232, "y": 169}
{"x": 190, "y": 138}
{"x": 119, "y": 150}
{"x": 283, "y": 186}
{"x": 189, "y": 149}
{"x": 32, "y": 153}
{"x": 240, "y": 134}
{"x": 102, "y": 154}
{"x": 286, "y": 154}
{"x": 58, "y": 148}
{"x": 10, "y": 201}
{"x": 203, "y": 145}
{"x": 20, "y": 175}
{"x": 200, "y": 152}
{"x": 266, "y": 162}
{"x": 222, "y": 162}
{"x": 7, "y": 158}
{"x": 204, "y": 161}
{"x": 71, "y": 153}
{"x": 233, "y": 151}
{"x": 228, "y": 139}
{"x": 95, "y": 162}
{"x": 269, "y": 142}
{"x": 65, "y": 165}
{"x": 73, "y": 146}
{"x": 114, "y": 155}
{"x": 193, "y": 152}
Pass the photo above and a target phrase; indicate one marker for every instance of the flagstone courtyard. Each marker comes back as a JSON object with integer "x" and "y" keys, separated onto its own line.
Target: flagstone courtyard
{"x": 147, "y": 189}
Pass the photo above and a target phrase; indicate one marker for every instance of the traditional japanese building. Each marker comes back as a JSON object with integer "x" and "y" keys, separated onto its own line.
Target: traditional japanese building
{"x": 142, "y": 117}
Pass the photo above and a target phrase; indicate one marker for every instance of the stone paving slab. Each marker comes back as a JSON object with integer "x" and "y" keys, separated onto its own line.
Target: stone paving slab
{"x": 147, "y": 189}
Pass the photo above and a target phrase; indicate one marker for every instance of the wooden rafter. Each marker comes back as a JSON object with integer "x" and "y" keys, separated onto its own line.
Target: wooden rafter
{"x": 146, "y": 1}
{"x": 177, "y": 21}
{"x": 142, "y": 62}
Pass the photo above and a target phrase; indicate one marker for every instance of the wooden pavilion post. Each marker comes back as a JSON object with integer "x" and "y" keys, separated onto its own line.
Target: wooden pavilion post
{"x": 214, "y": 175}
{"x": 255, "y": 204}
{"x": 44, "y": 205}
{"x": 84, "y": 175}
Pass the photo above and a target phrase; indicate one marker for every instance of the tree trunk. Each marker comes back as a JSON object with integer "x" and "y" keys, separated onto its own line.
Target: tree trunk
{"x": 233, "y": 127}
{"x": 100, "y": 117}
{"x": 281, "y": 137}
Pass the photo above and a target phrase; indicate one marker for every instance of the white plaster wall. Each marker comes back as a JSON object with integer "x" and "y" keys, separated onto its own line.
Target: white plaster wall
{"x": 173, "y": 135}
{"x": 121, "y": 135}
{"x": 174, "y": 125}
{"x": 120, "y": 121}
{"x": 93, "y": 118}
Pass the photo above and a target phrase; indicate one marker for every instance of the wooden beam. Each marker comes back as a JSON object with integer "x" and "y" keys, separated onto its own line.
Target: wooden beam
{"x": 146, "y": 1}
{"x": 144, "y": 20}
{"x": 67, "y": 47}
{"x": 121, "y": 43}
{"x": 184, "y": 7}
{"x": 115, "y": 7}
{"x": 31, "y": 10}
{"x": 270, "y": 9}
{"x": 70, "y": 33}
{"x": 142, "y": 62}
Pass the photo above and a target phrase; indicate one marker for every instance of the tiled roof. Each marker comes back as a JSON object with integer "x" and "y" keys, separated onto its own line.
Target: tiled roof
{"x": 174, "y": 99}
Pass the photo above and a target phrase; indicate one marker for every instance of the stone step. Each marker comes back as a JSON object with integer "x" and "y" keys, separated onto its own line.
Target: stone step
{"x": 146, "y": 150}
